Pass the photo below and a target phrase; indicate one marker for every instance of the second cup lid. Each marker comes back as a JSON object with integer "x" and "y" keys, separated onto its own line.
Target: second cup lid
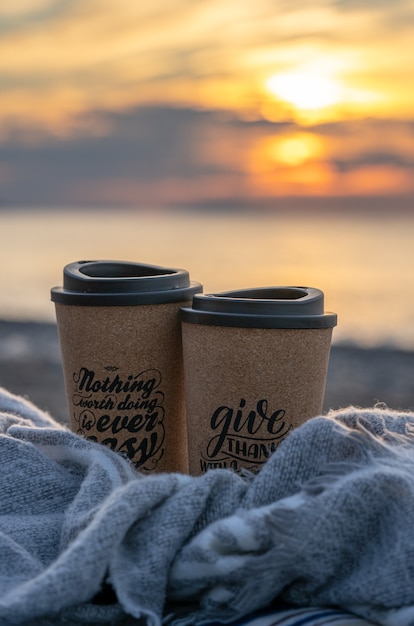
{"x": 263, "y": 307}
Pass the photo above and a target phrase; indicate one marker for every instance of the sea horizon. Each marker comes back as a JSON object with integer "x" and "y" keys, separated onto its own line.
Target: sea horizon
{"x": 381, "y": 206}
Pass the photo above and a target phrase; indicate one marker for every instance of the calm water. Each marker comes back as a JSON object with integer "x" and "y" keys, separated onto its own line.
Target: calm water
{"x": 363, "y": 264}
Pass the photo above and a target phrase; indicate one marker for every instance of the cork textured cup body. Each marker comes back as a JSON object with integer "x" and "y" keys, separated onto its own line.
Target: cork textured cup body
{"x": 120, "y": 338}
{"x": 255, "y": 364}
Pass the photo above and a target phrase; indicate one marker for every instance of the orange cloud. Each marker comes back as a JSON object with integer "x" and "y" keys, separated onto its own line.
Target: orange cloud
{"x": 375, "y": 180}
{"x": 101, "y": 54}
{"x": 357, "y": 158}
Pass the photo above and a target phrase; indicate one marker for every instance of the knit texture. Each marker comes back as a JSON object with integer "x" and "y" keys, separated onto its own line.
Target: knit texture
{"x": 84, "y": 539}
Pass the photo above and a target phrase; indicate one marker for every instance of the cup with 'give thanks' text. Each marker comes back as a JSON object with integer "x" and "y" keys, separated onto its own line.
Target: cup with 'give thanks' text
{"x": 255, "y": 365}
{"x": 120, "y": 337}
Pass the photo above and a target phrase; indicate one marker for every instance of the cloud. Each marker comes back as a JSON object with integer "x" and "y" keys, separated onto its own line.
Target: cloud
{"x": 374, "y": 5}
{"x": 24, "y": 8}
{"x": 163, "y": 156}
{"x": 375, "y": 159}
{"x": 61, "y": 59}
{"x": 26, "y": 14}
{"x": 142, "y": 153}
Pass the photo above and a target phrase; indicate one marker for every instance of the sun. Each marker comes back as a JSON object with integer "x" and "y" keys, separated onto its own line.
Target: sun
{"x": 306, "y": 91}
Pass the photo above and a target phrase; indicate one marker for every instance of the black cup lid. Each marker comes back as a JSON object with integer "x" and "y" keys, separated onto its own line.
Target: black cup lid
{"x": 121, "y": 283}
{"x": 265, "y": 307}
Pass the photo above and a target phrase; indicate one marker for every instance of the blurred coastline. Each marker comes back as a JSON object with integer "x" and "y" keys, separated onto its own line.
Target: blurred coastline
{"x": 362, "y": 262}
{"x": 30, "y": 365}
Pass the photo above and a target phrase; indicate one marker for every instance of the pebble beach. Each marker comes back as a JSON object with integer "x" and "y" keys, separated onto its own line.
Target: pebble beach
{"x": 30, "y": 365}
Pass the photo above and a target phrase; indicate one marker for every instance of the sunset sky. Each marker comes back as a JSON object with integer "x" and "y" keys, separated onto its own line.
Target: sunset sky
{"x": 206, "y": 102}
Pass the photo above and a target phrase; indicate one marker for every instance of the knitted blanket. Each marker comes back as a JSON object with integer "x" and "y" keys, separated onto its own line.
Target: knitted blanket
{"x": 327, "y": 522}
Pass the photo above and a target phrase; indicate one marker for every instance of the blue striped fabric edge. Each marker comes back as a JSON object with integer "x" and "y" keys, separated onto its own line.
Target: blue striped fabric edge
{"x": 300, "y": 617}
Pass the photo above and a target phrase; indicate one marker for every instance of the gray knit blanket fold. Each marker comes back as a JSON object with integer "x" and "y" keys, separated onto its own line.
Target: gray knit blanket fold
{"x": 84, "y": 539}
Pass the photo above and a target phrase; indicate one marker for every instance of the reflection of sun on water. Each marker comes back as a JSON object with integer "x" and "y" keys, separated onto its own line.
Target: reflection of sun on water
{"x": 294, "y": 149}
{"x": 289, "y": 164}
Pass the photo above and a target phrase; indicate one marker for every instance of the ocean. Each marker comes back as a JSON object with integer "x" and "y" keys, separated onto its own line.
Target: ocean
{"x": 362, "y": 262}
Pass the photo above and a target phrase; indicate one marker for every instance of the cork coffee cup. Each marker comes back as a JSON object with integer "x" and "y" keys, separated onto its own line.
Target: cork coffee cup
{"x": 255, "y": 365}
{"x": 120, "y": 339}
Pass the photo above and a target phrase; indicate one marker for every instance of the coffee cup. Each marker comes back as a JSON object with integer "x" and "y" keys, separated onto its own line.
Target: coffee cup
{"x": 255, "y": 366}
{"x": 120, "y": 338}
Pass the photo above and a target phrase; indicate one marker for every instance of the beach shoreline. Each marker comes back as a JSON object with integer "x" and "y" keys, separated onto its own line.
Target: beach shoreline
{"x": 30, "y": 365}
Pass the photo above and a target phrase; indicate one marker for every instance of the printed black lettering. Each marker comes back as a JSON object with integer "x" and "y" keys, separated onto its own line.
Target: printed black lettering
{"x": 112, "y": 407}
{"x": 248, "y": 434}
